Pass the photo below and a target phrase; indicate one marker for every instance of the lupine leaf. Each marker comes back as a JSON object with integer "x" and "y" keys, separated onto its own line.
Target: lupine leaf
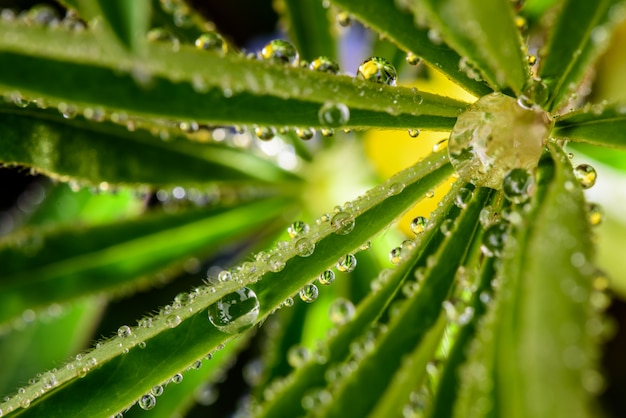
{"x": 309, "y": 27}
{"x": 601, "y": 125}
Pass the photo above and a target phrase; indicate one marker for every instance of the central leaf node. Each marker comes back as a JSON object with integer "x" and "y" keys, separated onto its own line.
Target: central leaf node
{"x": 495, "y": 136}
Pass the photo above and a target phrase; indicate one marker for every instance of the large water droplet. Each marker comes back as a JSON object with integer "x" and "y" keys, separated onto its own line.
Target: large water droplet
{"x": 309, "y": 293}
{"x": 518, "y": 185}
{"x": 147, "y": 402}
{"x": 211, "y": 41}
{"x": 333, "y": 114}
{"x": 297, "y": 229}
{"x": 124, "y": 331}
{"x": 347, "y": 264}
{"x": 494, "y": 239}
{"x": 378, "y": 70}
{"x": 280, "y": 51}
{"x": 495, "y": 136}
{"x": 418, "y": 225}
{"x": 235, "y": 311}
{"x": 342, "y": 223}
{"x": 325, "y": 65}
{"x": 586, "y": 174}
{"x": 305, "y": 247}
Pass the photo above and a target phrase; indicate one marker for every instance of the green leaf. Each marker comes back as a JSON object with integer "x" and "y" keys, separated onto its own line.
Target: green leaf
{"x": 545, "y": 285}
{"x": 492, "y": 45}
{"x": 125, "y": 21}
{"x": 309, "y": 27}
{"x": 107, "y": 152}
{"x": 408, "y": 328}
{"x": 43, "y": 268}
{"x": 579, "y": 35}
{"x": 172, "y": 346}
{"x": 236, "y": 91}
{"x": 384, "y": 17}
{"x": 599, "y": 125}
{"x": 177, "y": 18}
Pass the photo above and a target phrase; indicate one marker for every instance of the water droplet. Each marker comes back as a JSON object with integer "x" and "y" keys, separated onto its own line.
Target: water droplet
{"x": 147, "y": 401}
{"x": 315, "y": 399}
{"x": 418, "y": 225}
{"x": 430, "y": 194}
{"x": 305, "y": 133}
{"x": 463, "y": 197}
{"x": 536, "y": 92}
{"x": 309, "y": 293}
{"x": 325, "y": 65}
{"x": 276, "y": 262}
{"x": 297, "y": 229}
{"x": 211, "y": 41}
{"x": 447, "y": 226}
{"x": 196, "y": 364}
{"x": 494, "y": 239}
{"x": 157, "y": 390}
{"x": 342, "y": 223}
{"x": 344, "y": 19}
{"x": 395, "y": 188}
{"x": 333, "y": 114}
{"x": 413, "y": 59}
{"x": 298, "y": 356}
{"x": 235, "y": 312}
{"x": 305, "y": 247}
{"x": 586, "y": 174}
{"x": 281, "y": 52}
{"x": 172, "y": 321}
{"x": 395, "y": 255}
{"x": 341, "y": 311}
{"x": 531, "y": 59}
{"x": 67, "y": 111}
{"x": 518, "y": 185}
{"x": 414, "y": 133}
{"x": 326, "y": 277}
{"x": 49, "y": 380}
{"x": 594, "y": 214}
{"x": 177, "y": 378}
{"x": 124, "y": 331}
{"x": 378, "y": 70}
{"x": 495, "y": 136}
{"x": 347, "y": 264}
{"x": 265, "y": 133}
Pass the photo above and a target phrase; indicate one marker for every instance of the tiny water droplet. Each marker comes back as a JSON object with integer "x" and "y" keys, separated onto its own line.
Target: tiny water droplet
{"x": 447, "y": 226}
{"x": 536, "y": 92}
{"x": 342, "y": 223}
{"x": 281, "y": 52}
{"x": 594, "y": 214}
{"x": 305, "y": 133}
{"x": 309, "y": 293}
{"x": 147, "y": 401}
{"x": 298, "y": 356}
{"x": 325, "y": 65}
{"x": 518, "y": 185}
{"x": 341, "y": 311}
{"x": 305, "y": 247}
{"x": 235, "y": 312}
{"x": 157, "y": 390}
{"x": 413, "y": 59}
{"x": 172, "y": 321}
{"x": 379, "y": 70}
{"x": 586, "y": 174}
{"x": 414, "y": 133}
{"x": 347, "y": 264}
{"x": 395, "y": 255}
{"x": 265, "y": 133}
{"x": 326, "y": 277}
{"x": 297, "y": 229}
{"x": 211, "y": 41}
{"x": 344, "y": 19}
{"x": 177, "y": 378}
{"x": 494, "y": 239}
{"x": 463, "y": 197}
{"x": 418, "y": 225}
{"x": 333, "y": 114}
{"x": 124, "y": 331}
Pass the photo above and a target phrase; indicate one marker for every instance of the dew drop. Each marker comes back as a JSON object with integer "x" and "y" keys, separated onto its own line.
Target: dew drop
{"x": 344, "y": 19}
{"x": 177, "y": 378}
{"x": 309, "y": 293}
{"x": 172, "y": 321}
{"x": 446, "y": 227}
{"x": 463, "y": 197}
{"x": 342, "y": 223}
{"x": 414, "y": 133}
{"x": 418, "y": 225}
{"x": 325, "y": 65}
{"x": 305, "y": 247}
{"x": 235, "y": 312}
{"x": 594, "y": 214}
{"x": 586, "y": 174}
{"x": 297, "y": 229}
{"x": 147, "y": 402}
{"x": 265, "y": 133}
{"x": 157, "y": 390}
{"x": 413, "y": 59}
{"x": 333, "y": 114}
{"x": 305, "y": 133}
{"x": 281, "y": 52}
{"x": 518, "y": 185}
{"x": 395, "y": 255}
{"x": 494, "y": 239}
{"x": 347, "y": 264}
{"x": 495, "y": 136}
{"x": 536, "y": 92}
{"x": 211, "y": 41}
{"x": 124, "y": 331}
{"x": 341, "y": 311}
{"x": 379, "y": 70}
{"x": 326, "y": 277}
{"x": 298, "y": 356}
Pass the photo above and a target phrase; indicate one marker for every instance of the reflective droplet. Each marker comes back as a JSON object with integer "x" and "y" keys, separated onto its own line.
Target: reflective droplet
{"x": 326, "y": 277}
{"x": 594, "y": 214}
{"x": 315, "y": 399}
{"x": 413, "y": 59}
{"x": 298, "y": 356}
{"x": 378, "y": 70}
{"x": 147, "y": 401}
{"x": 333, "y": 114}
{"x": 177, "y": 378}
{"x": 172, "y": 321}
{"x": 495, "y": 136}
{"x": 536, "y": 92}
{"x": 414, "y": 133}
{"x": 347, "y": 264}
{"x": 494, "y": 239}
{"x": 157, "y": 390}
{"x": 305, "y": 133}
{"x": 342, "y": 223}
{"x": 235, "y": 312}
{"x": 281, "y": 52}
{"x": 341, "y": 311}
{"x": 418, "y": 225}
{"x": 309, "y": 293}
{"x": 325, "y": 65}
{"x": 344, "y": 19}
{"x": 224, "y": 276}
{"x": 297, "y": 229}
{"x": 586, "y": 174}
{"x": 518, "y": 185}
{"x": 211, "y": 41}
{"x": 305, "y": 247}
{"x": 395, "y": 255}
{"x": 124, "y": 331}
{"x": 447, "y": 226}
{"x": 463, "y": 197}
{"x": 265, "y": 133}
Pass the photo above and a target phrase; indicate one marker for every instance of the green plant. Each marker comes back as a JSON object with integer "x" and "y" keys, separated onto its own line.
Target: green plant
{"x": 494, "y": 303}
